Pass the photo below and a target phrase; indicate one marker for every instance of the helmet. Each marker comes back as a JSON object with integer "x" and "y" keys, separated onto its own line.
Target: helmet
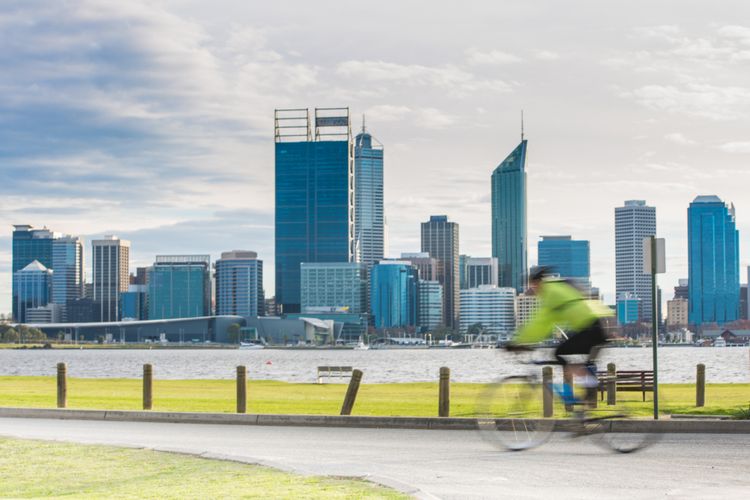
{"x": 540, "y": 272}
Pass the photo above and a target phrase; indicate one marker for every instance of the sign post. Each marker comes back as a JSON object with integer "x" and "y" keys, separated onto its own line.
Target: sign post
{"x": 654, "y": 263}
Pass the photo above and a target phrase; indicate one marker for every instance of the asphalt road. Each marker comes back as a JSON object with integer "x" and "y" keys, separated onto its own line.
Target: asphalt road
{"x": 443, "y": 464}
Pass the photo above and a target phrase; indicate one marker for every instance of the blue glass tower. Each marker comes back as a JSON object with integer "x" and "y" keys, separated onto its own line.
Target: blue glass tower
{"x": 29, "y": 244}
{"x": 179, "y": 286}
{"x": 713, "y": 262}
{"x": 509, "y": 219}
{"x": 314, "y": 196}
{"x": 567, "y": 257}
{"x": 368, "y": 200}
{"x": 239, "y": 284}
{"x": 33, "y": 288}
{"x": 393, "y": 294}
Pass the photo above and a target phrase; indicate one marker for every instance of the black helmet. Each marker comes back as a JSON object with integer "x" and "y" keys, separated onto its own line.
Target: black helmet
{"x": 539, "y": 272}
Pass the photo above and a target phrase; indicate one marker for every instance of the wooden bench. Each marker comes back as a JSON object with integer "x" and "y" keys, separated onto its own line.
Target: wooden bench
{"x": 334, "y": 371}
{"x": 628, "y": 381}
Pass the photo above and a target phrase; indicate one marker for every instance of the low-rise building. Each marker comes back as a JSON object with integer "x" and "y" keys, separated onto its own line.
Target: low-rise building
{"x": 677, "y": 314}
{"x": 489, "y": 306}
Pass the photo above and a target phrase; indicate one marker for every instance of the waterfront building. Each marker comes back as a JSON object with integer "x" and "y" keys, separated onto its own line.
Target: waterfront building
{"x": 713, "y": 262}
{"x": 84, "y": 310}
{"x": 28, "y": 245}
{"x": 368, "y": 200}
{"x": 509, "y": 239}
{"x": 628, "y": 308}
{"x": 440, "y": 240}
{"x": 677, "y": 313}
{"x": 429, "y": 305}
{"x": 393, "y": 294}
{"x": 110, "y": 265}
{"x": 51, "y": 313}
{"x": 67, "y": 264}
{"x": 133, "y": 303}
{"x": 567, "y": 257}
{"x": 480, "y": 271}
{"x": 429, "y": 268}
{"x": 633, "y": 222}
{"x": 526, "y": 307}
{"x": 33, "y": 288}
{"x": 491, "y": 307}
{"x": 239, "y": 284}
{"x": 179, "y": 286}
{"x": 314, "y": 216}
{"x": 334, "y": 285}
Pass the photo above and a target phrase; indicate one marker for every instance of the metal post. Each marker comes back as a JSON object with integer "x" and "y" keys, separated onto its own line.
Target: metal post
{"x": 351, "y": 392}
{"x": 241, "y": 389}
{"x": 62, "y": 385}
{"x": 700, "y": 386}
{"x": 611, "y": 387}
{"x": 547, "y": 391}
{"x": 148, "y": 386}
{"x": 654, "y": 327}
{"x": 444, "y": 403}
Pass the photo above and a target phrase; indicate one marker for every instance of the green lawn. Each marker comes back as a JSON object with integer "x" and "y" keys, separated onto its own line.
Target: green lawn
{"x": 414, "y": 399}
{"x": 39, "y": 469}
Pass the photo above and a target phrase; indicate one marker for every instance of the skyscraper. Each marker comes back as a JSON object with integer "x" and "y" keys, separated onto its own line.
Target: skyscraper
{"x": 713, "y": 262}
{"x": 633, "y": 222}
{"x": 509, "y": 219}
{"x": 368, "y": 199}
{"x": 314, "y": 195}
{"x": 239, "y": 284}
{"x": 179, "y": 286}
{"x": 33, "y": 288}
{"x": 334, "y": 286}
{"x": 393, "y": 294}
{"x": 67, "y": 263}
{"x": 567, "y": 257}
{"x": 440, "y": 240}
{"x": 29, "y": 244}
{"x": 428, "y": 267}
{"x": 110, "y": 264}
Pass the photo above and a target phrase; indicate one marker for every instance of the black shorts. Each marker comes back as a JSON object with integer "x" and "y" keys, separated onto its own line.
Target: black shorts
{"x": 582, "y": 342}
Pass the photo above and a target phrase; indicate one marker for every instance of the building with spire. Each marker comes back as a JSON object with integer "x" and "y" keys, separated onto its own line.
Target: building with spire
{"x": 368, "y": 200}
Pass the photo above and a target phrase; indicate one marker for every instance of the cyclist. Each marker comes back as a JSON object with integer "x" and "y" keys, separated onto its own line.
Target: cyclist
{"x": 561, "y": 303}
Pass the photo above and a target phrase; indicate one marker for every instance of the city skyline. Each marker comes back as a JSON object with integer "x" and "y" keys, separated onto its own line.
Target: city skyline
{"x": 676, "y": 128}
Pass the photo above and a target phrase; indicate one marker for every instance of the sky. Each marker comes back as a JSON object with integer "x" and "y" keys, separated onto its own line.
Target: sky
{"x": 154, "y": 120}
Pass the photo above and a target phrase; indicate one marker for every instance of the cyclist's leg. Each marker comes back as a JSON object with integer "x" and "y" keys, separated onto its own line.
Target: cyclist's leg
{"x": 583, "y": 343}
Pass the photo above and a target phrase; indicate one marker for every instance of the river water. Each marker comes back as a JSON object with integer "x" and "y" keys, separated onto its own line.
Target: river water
{"x": 676, "y": 364}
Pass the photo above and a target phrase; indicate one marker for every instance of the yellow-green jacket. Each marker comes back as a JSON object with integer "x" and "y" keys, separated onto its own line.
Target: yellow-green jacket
{"x": 561, "y": 304}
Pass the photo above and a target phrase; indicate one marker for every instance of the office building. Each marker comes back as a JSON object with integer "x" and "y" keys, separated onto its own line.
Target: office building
{"x": 51, "y": 313}
{"x": 682, "y": 290}
{"x": 67, "y": 264}
{"x": 110, "y": 262}
{"x": 33, "y": 288}
{"x": 567, "y": 257}
{"x": 239, "y": 284}
{"x": 133, "y": 303}
{"x": 369, "y": 225}
{"x": 491, "y": 307}
{"x": 334, "y": 286}
{"x": 139, "y": 277}
{"x": 429, "y": 268}
{"x": 628, "y": 308}
{"x": 509, "y": 240}
{"x": 677, "y": 314}
{"x": 29, "y": 245}
{"x": 429, "y": 305}
{"x": 480, "y": 271}
{"x": 84, "y": 310}
{"x": 633, "y": 222}
{"x": 526, "y": 307}
{"x": 314, "y": 217}
{"x": 393, "y": 294}
{"x": 440, "y": 240}
{"x": 713, "y": 262}
{"x": 179, "y": 286}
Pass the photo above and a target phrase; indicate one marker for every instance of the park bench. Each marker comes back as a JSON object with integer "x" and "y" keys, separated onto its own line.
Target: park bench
{"x": 334, "y": 371}
{"x": 627, "y": 381}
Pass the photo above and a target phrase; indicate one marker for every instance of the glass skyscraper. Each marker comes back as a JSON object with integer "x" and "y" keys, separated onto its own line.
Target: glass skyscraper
{"x": 567, "y": 257}
{"x": 314, "y": 196}
{"x": 368, "y": 199}
{"x": 633, "y": 222}
{"x": 29, "y": 244}
{"x": 440, "y": 240}
{"x": 33, "y": 288}
{"x": 713, "y": 262}
{"x": 179, "y": 286}
{"x": 67, "y": 263}
{"x": 239, "y": 284}
{"x": 509, "y": 219}
{"x": 430, "y": 305}
{"x": 393, "y": 294}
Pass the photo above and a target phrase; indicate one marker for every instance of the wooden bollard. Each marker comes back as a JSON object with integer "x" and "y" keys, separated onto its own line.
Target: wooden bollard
{"x": 547, "y": 407}
{"x": 351, "y": 392}
{"x": 444, "y": 402}
{"x": 148, "y": 386}
{"x": 241, "y": 389}
{"x": 611, "y": 384}
{"x": 62, "y": 385}
{"x": 700, "y": 385}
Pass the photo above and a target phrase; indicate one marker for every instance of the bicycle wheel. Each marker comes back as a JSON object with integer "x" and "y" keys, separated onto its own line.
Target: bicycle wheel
{"x": 510, "y": 414}
{"x": 625, "y": 426}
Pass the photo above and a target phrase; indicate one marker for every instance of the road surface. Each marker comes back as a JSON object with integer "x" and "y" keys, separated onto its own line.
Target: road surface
{"x": 443, "y": 464}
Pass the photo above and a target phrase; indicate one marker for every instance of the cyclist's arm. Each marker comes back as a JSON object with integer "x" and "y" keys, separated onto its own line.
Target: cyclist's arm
{"x": 538, "y": 329}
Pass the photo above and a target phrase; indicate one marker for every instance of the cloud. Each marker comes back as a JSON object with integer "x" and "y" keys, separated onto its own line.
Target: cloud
{"x": 546, "y": 55}
{"x": 477, "y": 57}
{"x": 703, "y": 100}
{"x": 736, "y": 147}
{"x": 678, "y": 138}
{"x": 387, "y": 112}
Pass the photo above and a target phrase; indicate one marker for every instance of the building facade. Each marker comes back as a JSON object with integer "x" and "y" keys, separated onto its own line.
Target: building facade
{"x": 440, "y": 240}
{"x": 628, "y": 308}
{"x": 33, "y": 289}
{"x": 682, "y": 290}
{"x": 110, "y": 265}
{"x": 134, "y": 304}
{"x": 393, "y": 294}
{"x": 314, "y": 217}
{"x": 526, "y": 308}
{"x": 509, "y": 239}
{"x": 713, "y": 262}
{"x": 633, "y": 222}
{"x": 491, "y": 307}
{"x": 67, "y": 264}
{"x": 480, "y": 271}
{"x": 428, "y": 267}
{"x": 369, "y": 220}
{"x": 334, "y": 285}
{"x": 28, "y": 245}
{"x": 429, "y": 305}
{"x": 677, "y": 313}
{"x": 567, "y": 257}
{"x": 179, "y": 286}
{"x": 239, "y": 284}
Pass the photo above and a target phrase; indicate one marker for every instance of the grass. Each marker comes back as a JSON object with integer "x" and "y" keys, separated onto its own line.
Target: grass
{"x": 271, "y": 397}
{"x": 38, "y": 469}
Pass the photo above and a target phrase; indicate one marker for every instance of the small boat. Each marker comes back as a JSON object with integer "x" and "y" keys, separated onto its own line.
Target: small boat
{"x": 255, "y": 344}
{"x": 361, "y": 347}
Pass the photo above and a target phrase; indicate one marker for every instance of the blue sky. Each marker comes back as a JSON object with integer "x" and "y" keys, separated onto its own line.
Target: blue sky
{"x": 153, "y": 120}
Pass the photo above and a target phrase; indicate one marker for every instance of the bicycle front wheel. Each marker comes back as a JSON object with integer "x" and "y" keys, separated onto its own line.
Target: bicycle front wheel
{"x": 510, "y": 414}
{"x": 625, "y": 425}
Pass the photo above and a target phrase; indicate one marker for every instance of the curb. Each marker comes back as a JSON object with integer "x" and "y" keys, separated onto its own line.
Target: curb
{"x": 421, "y": 423}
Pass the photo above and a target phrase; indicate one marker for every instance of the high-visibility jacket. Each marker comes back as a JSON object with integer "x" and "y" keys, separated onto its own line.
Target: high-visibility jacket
{"x": 561, "y": 304}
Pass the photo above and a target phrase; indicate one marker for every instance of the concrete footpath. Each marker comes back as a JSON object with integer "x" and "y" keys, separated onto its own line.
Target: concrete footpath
{"x": 706, "y": 426}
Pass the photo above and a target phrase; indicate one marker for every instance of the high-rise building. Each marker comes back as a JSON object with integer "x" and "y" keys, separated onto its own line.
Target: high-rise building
{"x": 368, "y": 199}
{"x": 430, "y": 305}
{"x": 239, "y": 284}
{"x": 491, "y": 307}
{"x": 682, "y": 290}
{"x": 628, "y": 308}
{"x": 393, "y": 294}
{"x": 440, "y": 240}
{"x": 335, "y": 286}
{"x": 179, "y": 286}
{"x": 633, "y": 222}
{"x": 139, "y": 278}
{"x": 314, "y": 195}
{"x": 567, "y": 257}
{"x": 33, "y": 288}
{"x": 526, "y": 307}
{"x": 713, "y": 262}
{"x": 509, "y": 240}
{"x": 110, "y": 264}
{"x": 480, "y": 271}
{"x": 29, "y": 244}
{"x": 744, "y": 309}
{"x": 428, "y": 267}
{"x": 67, "y": 264}
{"x": 677, "y": 313}
{"x": 133, "y": 303}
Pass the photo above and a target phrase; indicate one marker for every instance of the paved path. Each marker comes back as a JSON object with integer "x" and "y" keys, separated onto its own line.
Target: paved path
{"x": 444, "y": 464}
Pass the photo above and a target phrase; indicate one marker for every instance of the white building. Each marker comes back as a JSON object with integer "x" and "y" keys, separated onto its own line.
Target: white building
{"x": 677, "y": 313}
{"x": 526, "y": 307}
{"x": 480, "y": 271}
{"x": 490, "y": 306}
{"x": 51, "y": 313}
{"x": 633, "y": 222}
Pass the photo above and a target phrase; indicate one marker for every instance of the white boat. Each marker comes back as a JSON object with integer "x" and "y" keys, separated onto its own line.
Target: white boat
{"x": 252, "y": 345}
{"x": 361, "y": 347}
{"x": 720, "y": 342}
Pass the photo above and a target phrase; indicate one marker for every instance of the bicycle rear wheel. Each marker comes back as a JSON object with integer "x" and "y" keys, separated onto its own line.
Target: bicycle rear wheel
{"x": 510, "y": 414}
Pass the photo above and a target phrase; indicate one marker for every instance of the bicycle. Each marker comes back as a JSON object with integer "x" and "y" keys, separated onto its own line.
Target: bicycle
{"x": 514, "y": 413}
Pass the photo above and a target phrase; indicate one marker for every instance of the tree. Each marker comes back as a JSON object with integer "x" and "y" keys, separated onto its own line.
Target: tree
{"x": 11, "y": 336}
{"x": 233, "y": 331}
{"x": 35, "y": 335}
{"x": 475, "y": 329}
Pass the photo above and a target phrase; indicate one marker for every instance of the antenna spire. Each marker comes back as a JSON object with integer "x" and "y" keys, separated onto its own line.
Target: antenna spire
{"x": 363, "y": 123}
{"x": 521, "y": 125}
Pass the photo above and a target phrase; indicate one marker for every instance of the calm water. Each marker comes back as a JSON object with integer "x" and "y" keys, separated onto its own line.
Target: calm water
{"x": 676, "y": 364}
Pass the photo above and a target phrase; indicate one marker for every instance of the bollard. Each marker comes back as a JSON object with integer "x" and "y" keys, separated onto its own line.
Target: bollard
{"x": 547, "y": 391}
{"x": 700, "y": 385}
{"x": 148, "y": 386}
{"x": 444, "y": 403}
{"x": 351, "y": 392}
{"x": 62, "y": 385}
{"x": 241, "y": 389}
{"x": 611, "y": 384}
